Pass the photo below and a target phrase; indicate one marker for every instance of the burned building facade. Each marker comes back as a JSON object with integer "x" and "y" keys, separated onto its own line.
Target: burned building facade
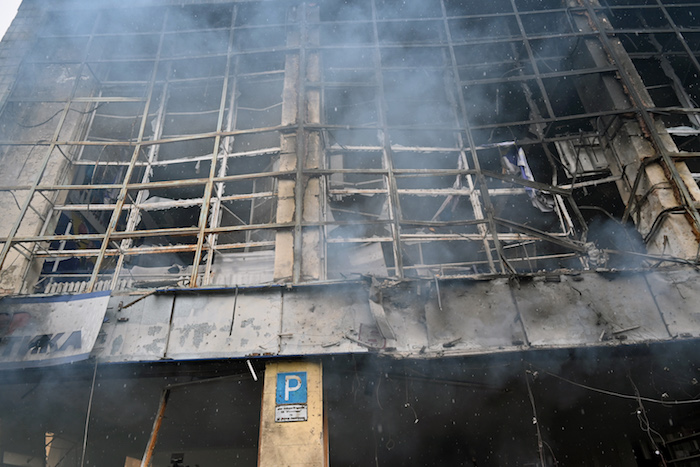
{"x": 284, "y": 232}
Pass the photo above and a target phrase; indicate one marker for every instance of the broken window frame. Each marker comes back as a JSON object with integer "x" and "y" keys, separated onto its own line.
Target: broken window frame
{"x": 533, "y": 78}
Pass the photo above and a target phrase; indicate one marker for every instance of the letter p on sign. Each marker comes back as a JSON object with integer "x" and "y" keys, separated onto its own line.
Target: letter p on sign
{"x": 291, "y": 388}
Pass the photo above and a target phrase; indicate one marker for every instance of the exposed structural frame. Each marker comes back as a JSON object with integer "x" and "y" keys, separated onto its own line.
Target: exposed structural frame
{"x": 664, "y": 155}
{"x": 307, "y": 125}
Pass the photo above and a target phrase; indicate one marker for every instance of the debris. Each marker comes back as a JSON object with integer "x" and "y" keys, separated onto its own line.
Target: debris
{"x": 683, "y": 131}
{"x": 597, "y": 258}
{"x": 552, "y": 278}
{"x": 377, "y": 310}
{"x": 233, "y": 313}
{"x": 437, "y": 291}
{"x": 632, "y": 328}
{"x": 451, "y": 343}
{"x": 252, "y": 370}
{"x": 356, "y": 341}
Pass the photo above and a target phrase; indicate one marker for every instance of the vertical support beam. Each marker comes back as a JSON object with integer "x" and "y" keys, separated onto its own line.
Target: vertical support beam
{"x": 679, "y": 36}
{"x": 298, "y": 443}
{"x": 311, "y": 259}
{"x": 286, "y": 188}
{"x": 463, "y": 162}
{"x": 301, "y": 144}
{"x": 121, "y": 198}
{"x": 210, "y": 207}
{"x": 153, "y": 439}
{"x": 533, "y": 60}
{"x": 298, "y": 252}
{"x": 392, "y": 195}
{"x": 480, "y": 179}
{"x": 134, "y": 216}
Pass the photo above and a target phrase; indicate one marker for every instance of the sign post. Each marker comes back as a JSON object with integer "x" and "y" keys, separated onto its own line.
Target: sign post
{"x": 291, "y": 397}
{"x": 292, "y": 430}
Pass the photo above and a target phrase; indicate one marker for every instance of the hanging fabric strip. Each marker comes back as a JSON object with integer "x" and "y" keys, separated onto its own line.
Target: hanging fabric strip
{"x": 515, "y": 163}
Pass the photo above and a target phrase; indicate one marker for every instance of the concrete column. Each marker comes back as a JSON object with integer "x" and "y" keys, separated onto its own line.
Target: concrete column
{"x": 284, "y": 239}
{"x": 632, "y": 145}
{"x": 312, "y": 263}
{"x": 292, "y": 419}
{"x": 307, "y": 153}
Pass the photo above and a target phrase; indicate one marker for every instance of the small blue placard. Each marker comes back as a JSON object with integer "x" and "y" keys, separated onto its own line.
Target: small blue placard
{"x": 291, "y": 388}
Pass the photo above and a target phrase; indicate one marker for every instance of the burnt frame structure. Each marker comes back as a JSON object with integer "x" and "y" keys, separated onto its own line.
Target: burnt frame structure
{"x": 336, "y": 125}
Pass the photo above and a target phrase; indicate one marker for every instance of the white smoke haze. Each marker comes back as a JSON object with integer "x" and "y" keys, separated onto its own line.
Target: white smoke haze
{"x": 393, "y": 86}
{"x": 382, "y": 411}
{"x": 8, "y": 10}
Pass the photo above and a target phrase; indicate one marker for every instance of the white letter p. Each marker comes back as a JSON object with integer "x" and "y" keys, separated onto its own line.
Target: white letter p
{"x": 288, "y": 388}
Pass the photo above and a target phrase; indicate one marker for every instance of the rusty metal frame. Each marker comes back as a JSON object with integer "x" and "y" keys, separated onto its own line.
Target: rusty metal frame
{"x": 208, "y": 228}
{"x": 127, "y": 176}
{"x": 44, "y": 165}
{"x": 664, "y": 156}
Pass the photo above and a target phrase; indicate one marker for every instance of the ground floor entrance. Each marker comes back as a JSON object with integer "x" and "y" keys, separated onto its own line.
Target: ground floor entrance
{"x": 609, "y": 406}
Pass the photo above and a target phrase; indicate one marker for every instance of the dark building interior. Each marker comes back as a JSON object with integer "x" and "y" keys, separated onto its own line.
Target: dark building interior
{"x": 630, "y": 406}
{"x": 447, "y": 138}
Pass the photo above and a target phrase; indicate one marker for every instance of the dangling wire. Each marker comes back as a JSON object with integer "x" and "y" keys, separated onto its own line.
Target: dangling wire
{"x": 644, "y": 424}
{"x": 87, "y": 416}
{"x": 535, "y": 421}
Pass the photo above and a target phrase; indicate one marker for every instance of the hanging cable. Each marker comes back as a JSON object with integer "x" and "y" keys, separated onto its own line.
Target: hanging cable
{"x": 535, "y": 421}
{"x": 87, "y": 416}
{"x": 644, "y": 424}
{"x": 620, "y": 395}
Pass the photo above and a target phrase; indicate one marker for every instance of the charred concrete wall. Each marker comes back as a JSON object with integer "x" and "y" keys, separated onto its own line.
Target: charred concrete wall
{"x": 14, "y": 46}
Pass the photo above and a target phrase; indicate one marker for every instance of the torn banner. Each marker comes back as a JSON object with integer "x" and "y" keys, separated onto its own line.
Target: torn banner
{"x": 515, "y": 163}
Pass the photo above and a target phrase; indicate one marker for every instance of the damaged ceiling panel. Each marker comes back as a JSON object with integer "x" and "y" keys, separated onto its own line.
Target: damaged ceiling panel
{"x": 419, "y": 319}
{"x": 490, "y": 320}
{"x": 135, "y": 330}
{"x": 670, "y": 288}
{"x": 572, "y": 310}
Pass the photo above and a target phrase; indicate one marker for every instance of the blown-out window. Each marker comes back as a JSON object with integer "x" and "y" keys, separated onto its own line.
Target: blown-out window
{"x": 264, "y": 142}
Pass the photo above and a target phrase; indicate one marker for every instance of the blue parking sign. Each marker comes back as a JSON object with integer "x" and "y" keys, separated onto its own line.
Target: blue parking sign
{"x": 291, "y": 388}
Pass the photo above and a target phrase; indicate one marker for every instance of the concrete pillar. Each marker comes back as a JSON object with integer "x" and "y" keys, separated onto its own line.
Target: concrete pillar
{"x": 292, "y": 419}
{"x": 632, "y": 145}
{"x": 284, "y": 239}
{"x": 300, "y": 149}
{"x": 312, "y": 263}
